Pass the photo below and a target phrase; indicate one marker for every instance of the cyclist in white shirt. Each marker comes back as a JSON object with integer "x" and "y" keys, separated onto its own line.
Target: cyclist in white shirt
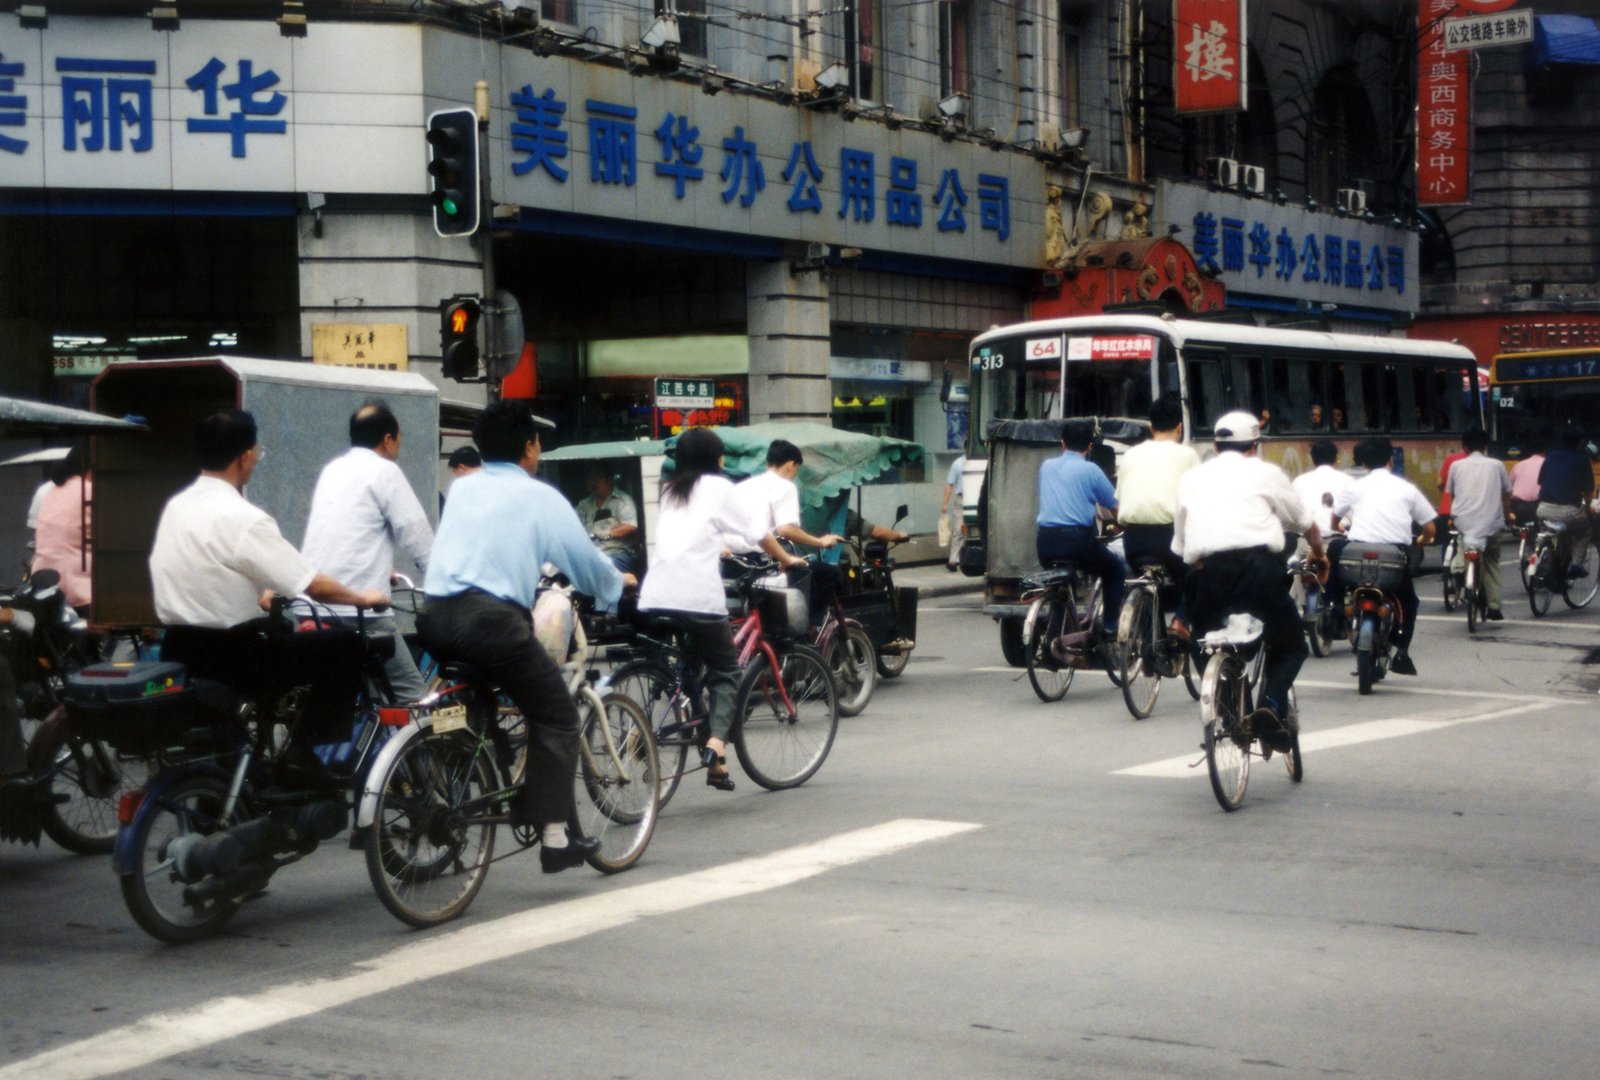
{"x": 772, "y": 498}
{"x": 1480, "y": 491}
{"x": 1147, "y": 492}
{"x": 1385, "y": 509}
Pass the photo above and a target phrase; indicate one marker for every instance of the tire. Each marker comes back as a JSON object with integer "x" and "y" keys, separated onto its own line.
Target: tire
{"x": 1225, "y": 700}
{"x": 1049, "y": 677}
{"x": 776, "y": 749}
{"x": 192, "y": 806}
{"x": 1110, "y": 657}
{"x": 1191, "y": 677}
{"x": 428, "y": 852}
{"x": 1292, "y": 760}
{"x": 650, "y": 686}
{"x": 1012, "y": 646}
{"x": 1141, "y": 682}
{"x": 1470, "y": 591}
{"x": 1366, "y": 670}
{"x": 1524, "y": 548}
{"x": 1579, "y": 591}
{"x": 892, "y": 665}
{"x": 852, "y": 659}
{"x": 87, "y": 781}
{"x": 1452, "y": 588}
{"x": 617, "y": 795}
{"x": 1539, "y": 579}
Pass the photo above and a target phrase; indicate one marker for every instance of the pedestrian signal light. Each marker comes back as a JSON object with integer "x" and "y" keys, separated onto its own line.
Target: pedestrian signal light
{"x": 458, "y": 336}
{"x": 453, "y": 171}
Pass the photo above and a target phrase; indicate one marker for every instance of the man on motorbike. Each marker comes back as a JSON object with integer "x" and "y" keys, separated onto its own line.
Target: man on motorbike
{"x": 1385, "y": 509}
{"x": 1480, "y": 490}
{"x": 1232, "y": 514}
{"x": 498, "y": 530}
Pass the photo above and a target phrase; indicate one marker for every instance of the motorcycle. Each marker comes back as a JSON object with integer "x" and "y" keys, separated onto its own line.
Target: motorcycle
{"x": 1371, "y": 573}
{"x": 1322, "y": 621}
{"x": 244, "y": 787}
{"x": 76, "y": 779}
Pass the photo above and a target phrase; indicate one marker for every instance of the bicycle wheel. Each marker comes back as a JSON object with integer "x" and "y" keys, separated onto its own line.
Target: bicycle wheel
{"x": 1539, "y": 574}
{"x": 851, "y": 658}
{"x": 618, "y": 787}
{"x": 650, "y": 686}
{"x": 1524, "y": 549}
{"x": 428, "y": 850}
{"x": 1191, "y": 674}
{"x": 1224, "y": 703}
{"x": 1580, "y": 585}
{"x": 1452, "y": 587}
{"x": 1110, "y": 656}
{"x": 892, "y": 665}
{"x": 785, "y": 724}
{"x": 1049, "y": 677}
{"x": 1320, "y": 626}
{"x": 1470, "y": 593}
{"x": 1141, "y": 682}
{"x": 87, "y": 781}
{"x": 181, "y": 815}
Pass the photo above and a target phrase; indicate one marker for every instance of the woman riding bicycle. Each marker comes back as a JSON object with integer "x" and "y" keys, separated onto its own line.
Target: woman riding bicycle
{"x": 685, "y": 577}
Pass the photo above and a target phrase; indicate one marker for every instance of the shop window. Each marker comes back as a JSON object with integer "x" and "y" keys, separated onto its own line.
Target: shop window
{"x": 559, "y": 11}
{"x": 955, "y": 47}
{"x": 692, "y": 28}
{"x": 863, "y": 45}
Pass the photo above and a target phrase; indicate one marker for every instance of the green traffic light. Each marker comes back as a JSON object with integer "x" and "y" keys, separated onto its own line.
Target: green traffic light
{"x": 448, "y": 205}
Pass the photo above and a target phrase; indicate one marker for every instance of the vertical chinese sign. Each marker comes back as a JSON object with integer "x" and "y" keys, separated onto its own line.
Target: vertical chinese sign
{"x": 1208, "y": 55}
{"x": 1444, "y": 103}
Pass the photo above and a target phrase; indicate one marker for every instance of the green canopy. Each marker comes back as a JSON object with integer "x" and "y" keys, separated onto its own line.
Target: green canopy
{"x": 601, "y": 450}
{"x": 835, "y": 460}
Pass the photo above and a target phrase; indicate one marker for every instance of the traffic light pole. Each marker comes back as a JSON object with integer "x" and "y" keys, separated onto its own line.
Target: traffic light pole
{"x": 491, "y": 309}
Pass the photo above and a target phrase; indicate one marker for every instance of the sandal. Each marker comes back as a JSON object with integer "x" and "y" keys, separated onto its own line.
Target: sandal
{"x": 716, "y": 770}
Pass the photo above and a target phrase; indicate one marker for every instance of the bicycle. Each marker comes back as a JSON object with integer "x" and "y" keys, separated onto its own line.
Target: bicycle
{"x": 786, "y": 711}
{"x": 850, "y": 655}
{"x": 1323, "y": 622}
{"x": 1472, "y": 590}
{"x": 436, "y": 796}
{"x": 1552, "y": 567}
{"x": 1063, "y": 630}
{"x": 1227, "y": 691}
{"x": 1147, "y": 652}
{"x": 1452, "y": 581}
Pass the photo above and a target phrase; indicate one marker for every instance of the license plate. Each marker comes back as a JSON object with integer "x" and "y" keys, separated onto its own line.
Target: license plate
{"x": 450, "y": 718}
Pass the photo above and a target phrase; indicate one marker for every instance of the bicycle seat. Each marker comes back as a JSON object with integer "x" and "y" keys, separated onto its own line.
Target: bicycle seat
{"x": 1552, "y": 526}
{"x": 459, "y": 671}
{"x": 1241, "y": 629}
{"x": 1050, "y": 577}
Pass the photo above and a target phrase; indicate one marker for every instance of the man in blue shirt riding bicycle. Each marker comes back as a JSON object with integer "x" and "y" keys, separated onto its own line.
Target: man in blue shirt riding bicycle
{"x": 1072, "y": 489}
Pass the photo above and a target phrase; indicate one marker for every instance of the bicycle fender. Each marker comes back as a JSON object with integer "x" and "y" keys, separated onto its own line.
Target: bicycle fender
{"x": 380, "y": 769}
{"x": 1034, "y": 609}
{"x": 1367, "y": 638}
{"x": 124, "y": 857}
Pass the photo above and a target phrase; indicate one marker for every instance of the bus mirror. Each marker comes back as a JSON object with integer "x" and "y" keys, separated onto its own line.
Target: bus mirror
{"x": 944, "y": 387}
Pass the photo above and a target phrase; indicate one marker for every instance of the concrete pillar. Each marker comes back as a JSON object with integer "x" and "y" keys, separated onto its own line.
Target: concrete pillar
{"x": 787, "y": 315}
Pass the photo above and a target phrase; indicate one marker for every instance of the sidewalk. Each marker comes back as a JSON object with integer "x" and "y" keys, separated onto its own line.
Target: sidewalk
{"x": 932, "y": 579}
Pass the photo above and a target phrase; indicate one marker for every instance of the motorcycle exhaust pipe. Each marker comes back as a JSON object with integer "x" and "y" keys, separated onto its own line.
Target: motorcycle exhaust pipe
{"x": 197, "y": 857}
{"x": 241, "y": 881}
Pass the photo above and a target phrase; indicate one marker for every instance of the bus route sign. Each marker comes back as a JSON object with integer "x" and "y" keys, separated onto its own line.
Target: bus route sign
{"x": 1509, "y": 369}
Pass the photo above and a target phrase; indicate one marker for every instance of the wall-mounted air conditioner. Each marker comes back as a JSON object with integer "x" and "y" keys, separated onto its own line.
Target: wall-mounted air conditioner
{"x": 1352, "y": 201}
{"x": 1223, "y": 172}
{"x": 1253, "y": 179}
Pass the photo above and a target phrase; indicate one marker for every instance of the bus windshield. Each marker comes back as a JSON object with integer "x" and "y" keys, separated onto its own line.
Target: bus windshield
{"x": 1526, "y": 414}
{"x": 1022, "y": 379}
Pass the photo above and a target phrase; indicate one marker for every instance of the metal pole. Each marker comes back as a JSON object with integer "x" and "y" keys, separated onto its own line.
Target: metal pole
{"x": 491, "y": 310}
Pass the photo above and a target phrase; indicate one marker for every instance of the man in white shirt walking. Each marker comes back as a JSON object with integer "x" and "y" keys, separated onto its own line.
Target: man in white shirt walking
{"x": 361, "y": 509}
{"x": 1480, "y": 490}
{"x": 1232, "y": 514}
{"x": 1385, "y": 509}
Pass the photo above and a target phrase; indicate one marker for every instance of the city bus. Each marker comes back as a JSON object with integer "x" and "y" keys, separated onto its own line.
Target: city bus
{"x": 1534, "y": 395}
{"x": 1305, "y": 386}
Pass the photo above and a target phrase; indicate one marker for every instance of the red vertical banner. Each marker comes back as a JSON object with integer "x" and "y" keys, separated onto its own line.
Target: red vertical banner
{"x": 1208, "y": 65}
{"x": 1444, "y": 109}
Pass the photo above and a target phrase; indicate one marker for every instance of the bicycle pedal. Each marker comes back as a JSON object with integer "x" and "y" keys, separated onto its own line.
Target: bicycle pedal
{"x": 526, "y": 835}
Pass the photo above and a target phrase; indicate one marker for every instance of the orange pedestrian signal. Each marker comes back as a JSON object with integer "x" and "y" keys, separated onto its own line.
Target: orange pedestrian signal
{"x": 458, "y": 336}
{"x": 459, "y": 319}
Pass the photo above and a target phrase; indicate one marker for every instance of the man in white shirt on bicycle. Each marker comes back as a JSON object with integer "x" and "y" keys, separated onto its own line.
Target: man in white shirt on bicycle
{"x": 1480, "y": 492}
{"x": 1147, "y": 491}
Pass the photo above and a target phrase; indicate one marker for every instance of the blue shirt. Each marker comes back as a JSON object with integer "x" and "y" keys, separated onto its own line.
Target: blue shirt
{"x": 1070, "y": 486}
{"x": 1565, "y": 477}
{"x": 500, "y": 525}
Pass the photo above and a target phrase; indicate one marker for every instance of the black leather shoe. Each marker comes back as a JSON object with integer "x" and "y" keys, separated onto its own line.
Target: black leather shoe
{"x": 554, "y": 860}
{"x": 1402, "y": 665}
{"x": 1494, "y": 615}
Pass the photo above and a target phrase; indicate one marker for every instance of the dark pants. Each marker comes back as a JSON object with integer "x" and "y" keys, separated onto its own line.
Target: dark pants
{"x": 13, "y": 751}
{"x": 1405, "y": 592}
{"x": 1077, "y": 544}
{"x": 263, "y": 658}
{"x": 1252, "y": 581}
{"x": 709, "y": 640}
{"x": 1526, "y": 511}
{"x": 1153, "y": 543}
{"x": 824, "y": 587}
{"x": 496, "y": 636}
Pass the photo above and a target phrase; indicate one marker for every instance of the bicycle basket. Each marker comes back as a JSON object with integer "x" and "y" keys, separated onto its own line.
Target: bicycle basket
{"x": 783, "y": 610}
{"x": 1381, "y": 566}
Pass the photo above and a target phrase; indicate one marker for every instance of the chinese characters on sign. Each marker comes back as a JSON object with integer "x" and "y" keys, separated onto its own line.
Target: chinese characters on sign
{"x": 1443, "y": 110}
{"x": 1209, "y": 55}
{"x": 685, "y": 394}
{"x": 13, "y": 106}
{"x": 539, "y": 141}
{"x": 380, "y": 346}
{"x": 1477, "y": 31}
{"x": 1132, "y": 347}
{"x": 1227, "y": 245}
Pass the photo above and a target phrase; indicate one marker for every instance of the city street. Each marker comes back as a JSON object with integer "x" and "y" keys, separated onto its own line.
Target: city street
{"x": 976, "y": 884}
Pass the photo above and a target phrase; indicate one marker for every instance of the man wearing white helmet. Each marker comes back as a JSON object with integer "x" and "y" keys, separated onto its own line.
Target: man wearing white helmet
{"x": 1229, "y": 527}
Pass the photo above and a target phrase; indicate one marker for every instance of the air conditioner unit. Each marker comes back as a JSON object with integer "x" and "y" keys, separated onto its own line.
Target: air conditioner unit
{"x": 1253, "y": 179}
{"x": 1223, "y": 172}
{"x": 1352, "y": 201}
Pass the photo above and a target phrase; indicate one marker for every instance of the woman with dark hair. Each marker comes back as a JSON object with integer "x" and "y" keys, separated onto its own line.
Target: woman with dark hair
{"x": 685, "y": 577}
{"x": 60, "y": 542}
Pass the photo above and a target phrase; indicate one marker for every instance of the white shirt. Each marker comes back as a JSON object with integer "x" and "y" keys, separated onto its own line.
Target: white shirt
{"x": 769, "y": 500}
{"x": 213, "y": 555}
{"x": 1147, "y": 481}
{"x": 1233, "y": 502}
{"x": 1383, "y": 509}
{"x": 1313, "y": 485}
{"x": 361, "y": 508}
{"x": 38, "y": 501}
{"x": 686, "y": 573}
{"x": 622, "y": 512}
{"x": 1476, "y": 484}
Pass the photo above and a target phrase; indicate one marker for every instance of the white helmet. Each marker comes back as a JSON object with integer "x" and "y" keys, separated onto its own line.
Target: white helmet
{"x": 1238, "y": 427}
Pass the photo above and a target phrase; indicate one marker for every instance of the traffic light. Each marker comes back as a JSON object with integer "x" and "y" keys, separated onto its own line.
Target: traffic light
{"x": 453, "y": 168}
{"x": 458, "y": 336}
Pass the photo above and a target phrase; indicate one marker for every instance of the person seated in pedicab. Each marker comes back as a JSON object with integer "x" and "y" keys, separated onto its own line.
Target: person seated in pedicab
{"x": 612, "y": 519}
{"x": 835, "y": 517}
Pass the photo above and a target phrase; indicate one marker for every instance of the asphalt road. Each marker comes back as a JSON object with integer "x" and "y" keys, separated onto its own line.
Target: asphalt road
{"x": 976, "y": 884}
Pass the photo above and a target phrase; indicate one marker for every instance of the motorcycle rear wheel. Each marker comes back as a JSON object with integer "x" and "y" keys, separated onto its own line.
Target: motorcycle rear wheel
{"x": 153, "y": 893}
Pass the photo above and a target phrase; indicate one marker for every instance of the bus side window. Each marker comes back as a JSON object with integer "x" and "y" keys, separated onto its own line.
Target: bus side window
{"x": 1246, "y": 390}
{"x": 1290, "y": 387}
{"x": 1205, "y": 395}
{"x": 1339, "y": 397}
{"x": 1318, "y": 415}
{"x": 1369, "y": 402}
{"x": 1449, "y": 397}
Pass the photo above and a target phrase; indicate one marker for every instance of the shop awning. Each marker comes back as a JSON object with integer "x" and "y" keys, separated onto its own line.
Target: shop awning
{"x": 1564, "y": 39}
{"x": 603, "y": 450}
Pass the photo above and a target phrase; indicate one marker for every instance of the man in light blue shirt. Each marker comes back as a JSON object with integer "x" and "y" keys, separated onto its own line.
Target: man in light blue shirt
{"x": 1071, "y": 490}
{"x": 499, "y": 528}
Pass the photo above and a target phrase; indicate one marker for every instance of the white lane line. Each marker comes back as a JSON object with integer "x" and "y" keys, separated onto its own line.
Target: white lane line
{"x": 162, "y": 1035}
{"x": 1349, "y": 735}
{"x": 1003, "y": 669}
{"x": 1550, "y": 624}
{"x": 1389, "y": 687}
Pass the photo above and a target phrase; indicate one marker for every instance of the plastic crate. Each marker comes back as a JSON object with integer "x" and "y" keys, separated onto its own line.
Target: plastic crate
{"x": 1381, "y": 566}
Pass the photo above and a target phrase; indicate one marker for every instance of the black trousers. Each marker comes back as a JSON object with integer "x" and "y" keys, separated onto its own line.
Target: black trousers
{"x": 1077, "y": 544}
{"x": 1153, "y": 543}
{"x": 13, "y": 749}
{"x": 496, "y": 636}
{"x": 1252, "y": 581}
{"x": 1406, "y": 593}
{"x": 709, "y": 639}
